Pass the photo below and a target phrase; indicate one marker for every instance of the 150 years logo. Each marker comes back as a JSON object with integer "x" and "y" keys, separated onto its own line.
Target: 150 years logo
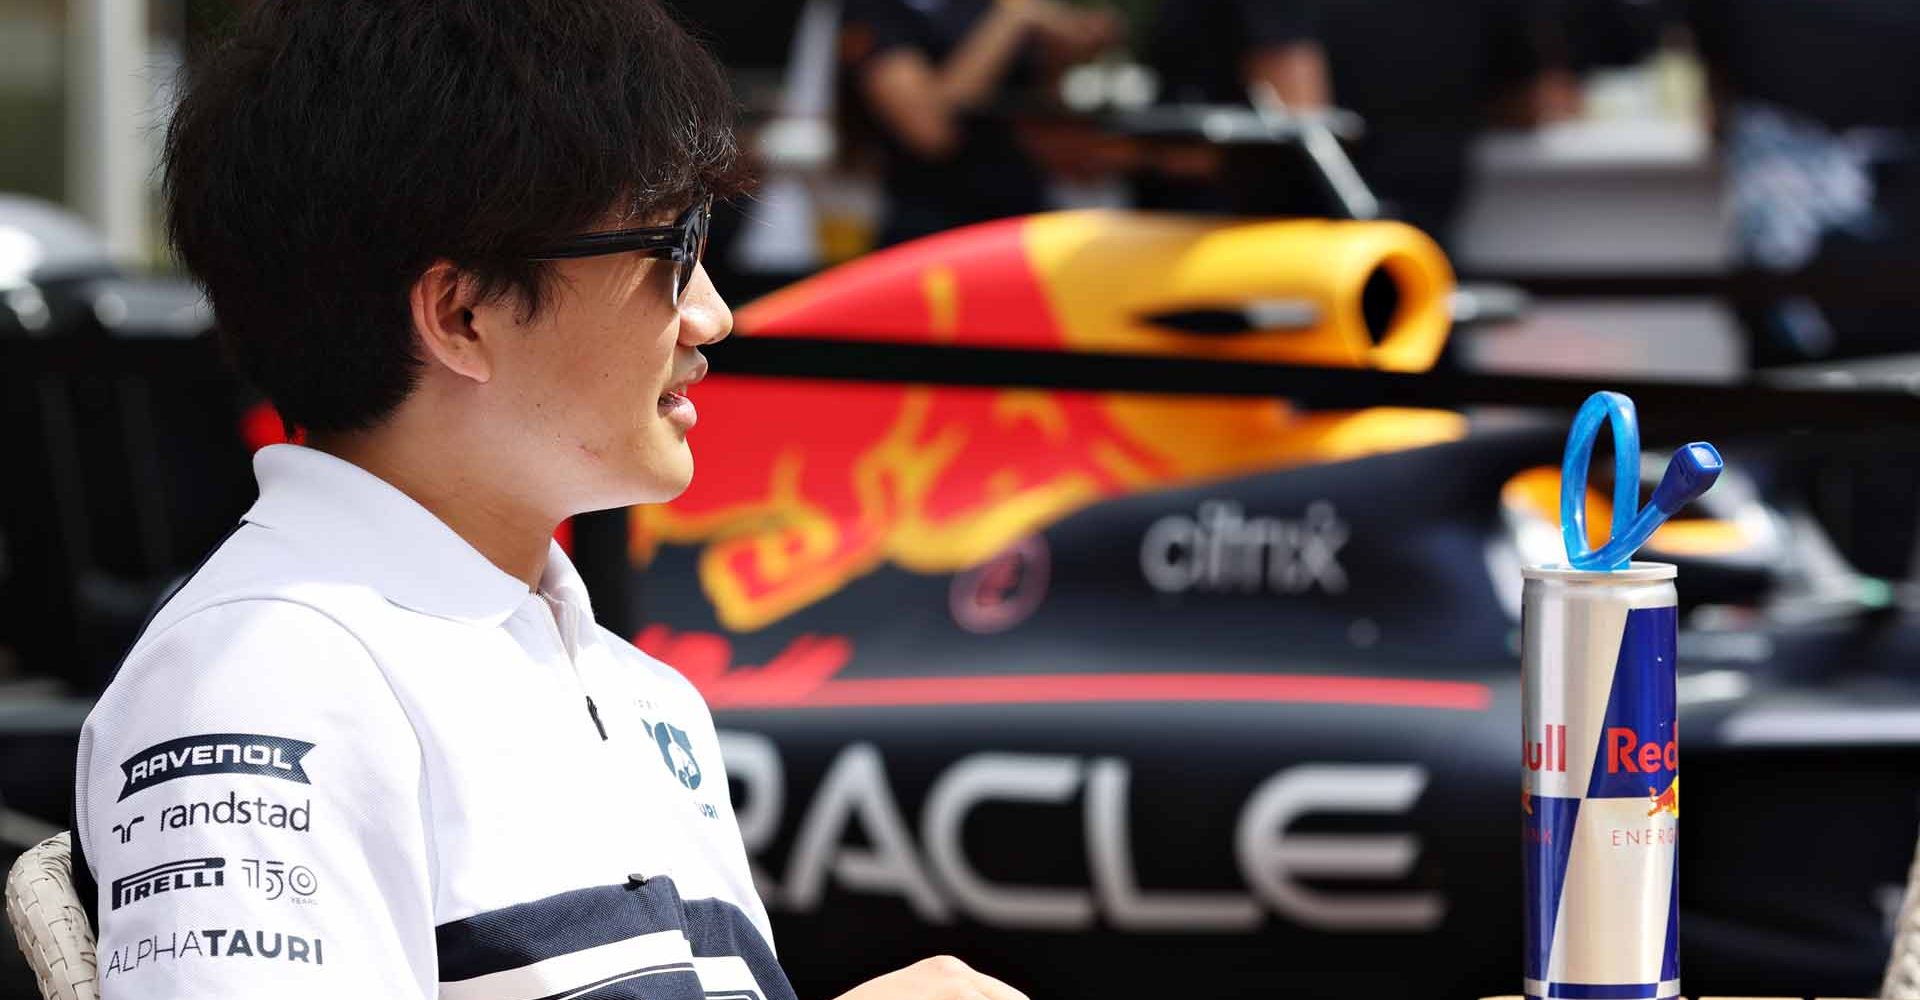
{"x": 276, "y": 879}
{"x": 215, "y": 753}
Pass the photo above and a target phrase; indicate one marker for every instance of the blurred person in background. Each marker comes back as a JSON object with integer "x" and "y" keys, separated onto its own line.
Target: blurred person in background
{"x": 1817, "y": 105}
{"x": 1817, "y": 109}
{"x": 927, "y": 76}
{"x": 1425, "y": 77}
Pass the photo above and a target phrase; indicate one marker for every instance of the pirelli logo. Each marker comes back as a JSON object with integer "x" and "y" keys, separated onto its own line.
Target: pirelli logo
{"x": 193, "y": 873}
{"x": 215, "y": 753}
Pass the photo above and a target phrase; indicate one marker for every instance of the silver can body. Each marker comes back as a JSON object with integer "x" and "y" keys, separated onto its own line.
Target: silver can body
{"x": 1600, "y": 771}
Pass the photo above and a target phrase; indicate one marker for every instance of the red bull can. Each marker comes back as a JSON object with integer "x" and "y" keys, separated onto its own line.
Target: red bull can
{"x": 1600, "y": 783}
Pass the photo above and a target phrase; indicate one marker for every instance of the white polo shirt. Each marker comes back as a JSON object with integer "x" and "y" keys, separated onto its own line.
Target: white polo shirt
{"x": 351, "y": 758}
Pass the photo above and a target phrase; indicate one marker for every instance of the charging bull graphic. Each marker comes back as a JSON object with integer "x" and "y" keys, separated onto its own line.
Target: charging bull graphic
{"x": 1667, "y": 801}
{"x": 824, "y": 482}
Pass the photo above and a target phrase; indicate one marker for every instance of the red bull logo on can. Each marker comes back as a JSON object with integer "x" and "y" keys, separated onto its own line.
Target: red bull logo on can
{"x": 1548, "y": 753}
{"x": 1626, "y": 751}
{"x": 1666, "y": 802}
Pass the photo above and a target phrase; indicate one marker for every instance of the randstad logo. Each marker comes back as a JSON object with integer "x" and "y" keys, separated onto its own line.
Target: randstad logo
{"x": 677, "y": 751}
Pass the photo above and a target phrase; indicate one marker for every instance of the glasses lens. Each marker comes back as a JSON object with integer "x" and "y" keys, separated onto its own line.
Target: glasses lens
{"x": 693, "y": 246}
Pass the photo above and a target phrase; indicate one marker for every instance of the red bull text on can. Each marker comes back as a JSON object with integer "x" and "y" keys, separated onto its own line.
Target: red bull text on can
{"x": 1600, "y": 779}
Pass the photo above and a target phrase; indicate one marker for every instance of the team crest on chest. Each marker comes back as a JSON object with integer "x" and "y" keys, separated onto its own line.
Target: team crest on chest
{"x": 676, "y": 751}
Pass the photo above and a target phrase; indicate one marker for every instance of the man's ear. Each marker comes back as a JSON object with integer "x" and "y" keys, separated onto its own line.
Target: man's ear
{"x": 443, "y": 301}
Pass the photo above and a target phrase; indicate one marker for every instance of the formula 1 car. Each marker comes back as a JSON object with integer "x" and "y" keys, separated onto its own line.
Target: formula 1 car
{"x": 1122, "y": 695}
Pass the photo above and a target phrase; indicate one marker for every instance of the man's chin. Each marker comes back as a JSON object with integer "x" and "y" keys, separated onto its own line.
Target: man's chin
{"x": 669, "y": 476}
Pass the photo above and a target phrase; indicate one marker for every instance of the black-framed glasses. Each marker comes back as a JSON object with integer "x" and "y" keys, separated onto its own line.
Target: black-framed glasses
{"x": 684, "y": 243}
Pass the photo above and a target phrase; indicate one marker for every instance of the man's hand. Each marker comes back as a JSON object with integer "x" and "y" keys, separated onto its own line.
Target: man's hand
{"x": 940, "y": 978}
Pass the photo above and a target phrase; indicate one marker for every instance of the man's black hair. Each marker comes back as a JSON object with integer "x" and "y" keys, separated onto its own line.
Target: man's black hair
{"x": 331, "y": 150}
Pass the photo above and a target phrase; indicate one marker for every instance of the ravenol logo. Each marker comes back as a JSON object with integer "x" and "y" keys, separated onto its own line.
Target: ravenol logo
{"x": 215, "y": 753}
{"x": 677, "y": 751}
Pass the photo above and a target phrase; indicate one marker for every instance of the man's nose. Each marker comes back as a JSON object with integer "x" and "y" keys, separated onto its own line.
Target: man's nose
{"x": 704, "y": 316}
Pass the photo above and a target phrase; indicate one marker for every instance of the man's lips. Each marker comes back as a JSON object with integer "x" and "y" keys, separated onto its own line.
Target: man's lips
{"x": 677, "y": 389}
{"x": 678, "y": 410}
{"x": 674, "y": 402}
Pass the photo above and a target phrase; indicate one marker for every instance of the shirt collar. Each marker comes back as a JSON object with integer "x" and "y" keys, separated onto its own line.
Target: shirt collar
{"x": 562, "y": 582}
{"x": 382, "y": 537}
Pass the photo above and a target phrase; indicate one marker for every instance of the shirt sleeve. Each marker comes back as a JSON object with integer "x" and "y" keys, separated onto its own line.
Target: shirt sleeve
{"x": 251, "y": 804}
{"x": 1267, "y": 23}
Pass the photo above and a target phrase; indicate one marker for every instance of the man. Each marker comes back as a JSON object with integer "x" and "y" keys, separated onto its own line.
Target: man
{"x": 925, "y": 74}
{"x": 376, "y": 745}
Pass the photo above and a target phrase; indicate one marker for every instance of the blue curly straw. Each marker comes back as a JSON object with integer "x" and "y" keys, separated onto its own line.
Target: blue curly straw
{"x": 1691, "y": 472}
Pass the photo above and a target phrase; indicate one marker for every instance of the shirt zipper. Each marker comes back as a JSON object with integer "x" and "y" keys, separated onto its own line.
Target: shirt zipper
{"x": 593, "y": 712}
